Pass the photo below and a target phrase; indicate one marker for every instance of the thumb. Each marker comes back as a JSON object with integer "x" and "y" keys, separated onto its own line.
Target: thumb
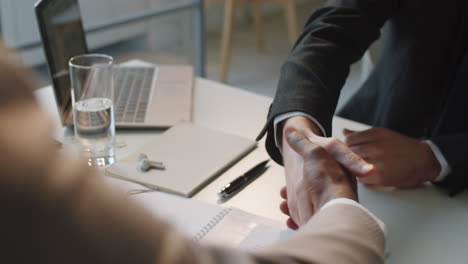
{"x": 344, "y": 156}
{"x": 351, "y": 161}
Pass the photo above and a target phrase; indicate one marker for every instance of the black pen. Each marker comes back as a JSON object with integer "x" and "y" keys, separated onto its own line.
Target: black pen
{"x": 240, "y": 182}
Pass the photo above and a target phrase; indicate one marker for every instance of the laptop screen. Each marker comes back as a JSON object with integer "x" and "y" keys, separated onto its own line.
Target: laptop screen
{"x": 63, "y": 37}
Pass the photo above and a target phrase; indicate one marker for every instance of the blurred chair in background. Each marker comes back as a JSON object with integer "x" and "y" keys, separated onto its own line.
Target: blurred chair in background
{"x": 229, "y": 13}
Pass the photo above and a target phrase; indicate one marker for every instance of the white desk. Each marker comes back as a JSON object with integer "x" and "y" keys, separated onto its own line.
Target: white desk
{"x": 424, "y": 225}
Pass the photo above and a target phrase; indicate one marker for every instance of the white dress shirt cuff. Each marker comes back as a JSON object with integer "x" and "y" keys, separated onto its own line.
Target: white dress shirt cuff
{"x": 354, "y": 203}
{"x": 283, "y": 117}
{"x": 444, "y": 166}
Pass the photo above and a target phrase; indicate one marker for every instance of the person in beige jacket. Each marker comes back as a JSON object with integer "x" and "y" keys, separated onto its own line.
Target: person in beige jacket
{"x": 54, "y": 209}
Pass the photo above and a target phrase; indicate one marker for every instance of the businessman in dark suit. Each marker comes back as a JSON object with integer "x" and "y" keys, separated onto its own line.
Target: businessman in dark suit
{"x": 416, "y": 93}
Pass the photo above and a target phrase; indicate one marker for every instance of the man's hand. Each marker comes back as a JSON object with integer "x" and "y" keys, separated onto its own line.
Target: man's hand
{"x": 340, "y": 152}
{"x": 314, "y": 177}
{"x": 294, "y": 164}
{"x": 400, "y": 161}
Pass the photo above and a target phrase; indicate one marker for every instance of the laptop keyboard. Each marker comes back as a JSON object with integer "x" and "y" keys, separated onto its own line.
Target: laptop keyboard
{"x": 132, "y": 87}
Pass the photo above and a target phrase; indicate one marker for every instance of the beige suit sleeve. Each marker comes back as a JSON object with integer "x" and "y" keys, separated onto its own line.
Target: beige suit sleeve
{"x": 54, "y": 209}
{"x": 338, "y": 234}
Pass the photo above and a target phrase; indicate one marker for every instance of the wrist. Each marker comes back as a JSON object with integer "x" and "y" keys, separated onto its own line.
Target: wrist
{"x": 346, "y": 192}
{"x": 335, "y": 191}
{"x": 299, "y": 123}
{"x": 431, "y": 164}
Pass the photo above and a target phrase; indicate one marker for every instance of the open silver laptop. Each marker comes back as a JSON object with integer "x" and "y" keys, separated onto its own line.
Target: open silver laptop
{"x": 145, "y": 95}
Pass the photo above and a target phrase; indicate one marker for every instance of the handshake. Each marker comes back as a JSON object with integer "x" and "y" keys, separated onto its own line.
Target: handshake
{"x": 320, "y": 169}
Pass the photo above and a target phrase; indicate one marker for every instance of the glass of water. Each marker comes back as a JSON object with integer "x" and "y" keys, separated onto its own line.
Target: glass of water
{"x": 92, "y": 97}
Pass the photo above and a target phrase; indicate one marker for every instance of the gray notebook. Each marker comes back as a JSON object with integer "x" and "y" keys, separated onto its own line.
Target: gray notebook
{"x": 193, "y": 157}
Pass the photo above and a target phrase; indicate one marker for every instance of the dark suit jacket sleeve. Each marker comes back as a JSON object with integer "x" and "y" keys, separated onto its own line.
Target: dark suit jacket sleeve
{"x": 451, "y": 132}
{"x": 334, "y": 37}
{"x": 455, "y": 151}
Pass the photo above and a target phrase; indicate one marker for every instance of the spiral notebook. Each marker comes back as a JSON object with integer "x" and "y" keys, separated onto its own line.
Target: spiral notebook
{"x": 209, "y": 223}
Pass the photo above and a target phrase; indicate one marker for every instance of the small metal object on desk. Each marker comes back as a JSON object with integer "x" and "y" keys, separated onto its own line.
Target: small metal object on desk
{"x": 144, "y": 164}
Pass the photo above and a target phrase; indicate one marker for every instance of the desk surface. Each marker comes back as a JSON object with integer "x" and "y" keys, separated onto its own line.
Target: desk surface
{"x": 424, "y": 225}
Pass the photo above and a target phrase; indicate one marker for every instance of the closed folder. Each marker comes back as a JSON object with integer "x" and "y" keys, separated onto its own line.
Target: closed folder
{"x": 193, "y": 157}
